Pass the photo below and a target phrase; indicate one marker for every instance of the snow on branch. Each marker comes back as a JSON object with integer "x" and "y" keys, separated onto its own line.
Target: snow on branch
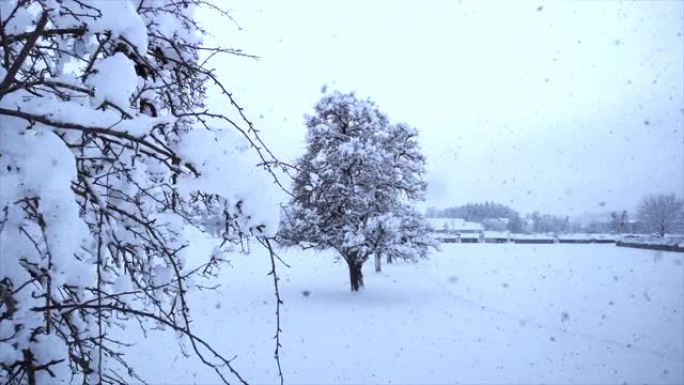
{"x": 108, "y": 155}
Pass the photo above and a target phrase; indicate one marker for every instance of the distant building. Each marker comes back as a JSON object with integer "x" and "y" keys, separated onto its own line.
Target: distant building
{"x": 456, "y": 229}
{"x": 491, "y": 236}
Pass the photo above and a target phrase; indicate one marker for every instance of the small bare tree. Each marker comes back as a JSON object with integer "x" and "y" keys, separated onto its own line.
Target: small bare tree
{"x": 659, "y": 213}
{"x": 619, "y": 221}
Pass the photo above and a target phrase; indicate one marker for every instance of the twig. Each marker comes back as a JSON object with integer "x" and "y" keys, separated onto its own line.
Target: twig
{"x": 267, "y": 243}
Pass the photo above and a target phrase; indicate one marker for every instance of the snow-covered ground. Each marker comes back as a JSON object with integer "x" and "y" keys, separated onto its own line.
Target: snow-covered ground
{"x": 473, "y": 313}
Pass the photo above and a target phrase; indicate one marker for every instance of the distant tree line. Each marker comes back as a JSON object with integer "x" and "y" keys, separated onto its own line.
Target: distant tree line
{"x": 547, "y": 223}
{"x": 657, "y": 214}
{"x": 493, "y": 216}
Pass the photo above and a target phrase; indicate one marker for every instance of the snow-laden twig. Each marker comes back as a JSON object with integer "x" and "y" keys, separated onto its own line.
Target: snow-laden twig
{"x": 272, "y": 255}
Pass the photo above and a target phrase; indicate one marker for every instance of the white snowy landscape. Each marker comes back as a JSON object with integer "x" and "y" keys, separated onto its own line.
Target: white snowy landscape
{"x": 473, "y": 313}
{"x": 357, "y": 192}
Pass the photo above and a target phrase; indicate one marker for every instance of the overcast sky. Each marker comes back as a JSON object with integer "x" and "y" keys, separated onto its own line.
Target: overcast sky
{"x": 562, "y": 106}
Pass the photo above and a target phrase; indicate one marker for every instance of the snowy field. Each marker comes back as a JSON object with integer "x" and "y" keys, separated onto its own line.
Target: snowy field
{"x": 473, "y": 313}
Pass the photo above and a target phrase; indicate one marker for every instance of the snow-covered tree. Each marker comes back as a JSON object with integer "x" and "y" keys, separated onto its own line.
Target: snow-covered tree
{"x": 402, "y": 235}
{"x": 619, "y": 221}
{"x": 659, "y": 213}
{"x": 107, "y": 152}
{"x": 354, "y": 186}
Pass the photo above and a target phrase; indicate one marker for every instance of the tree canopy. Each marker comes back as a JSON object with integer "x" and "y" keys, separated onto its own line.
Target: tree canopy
{"x": 661, "y": 213}
{"x": 355, "y": 184}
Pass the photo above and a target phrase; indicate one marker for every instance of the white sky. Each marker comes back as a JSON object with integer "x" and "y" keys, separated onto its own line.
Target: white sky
{"x": 562, "y": 106}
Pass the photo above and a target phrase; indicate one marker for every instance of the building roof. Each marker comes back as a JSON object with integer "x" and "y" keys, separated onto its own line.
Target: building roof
{"x": 531, "y": 236}
{"x": 496, "y": 234}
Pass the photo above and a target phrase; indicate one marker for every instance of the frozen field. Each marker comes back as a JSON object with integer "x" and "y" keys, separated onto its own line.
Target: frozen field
{"x": 473, "y": 313}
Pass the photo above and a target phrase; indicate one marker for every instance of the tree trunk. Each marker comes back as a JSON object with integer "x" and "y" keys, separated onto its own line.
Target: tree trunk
{"x": 355, "y": 275}
{"x": 378, "y": 263}
{"x": 389, "y": 258}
